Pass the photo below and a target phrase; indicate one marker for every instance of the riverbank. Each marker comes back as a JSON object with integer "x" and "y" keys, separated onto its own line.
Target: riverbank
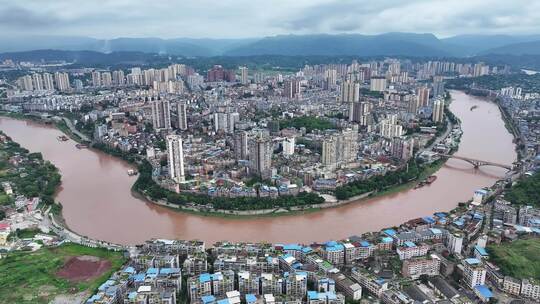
{"x": 98, "y": 202}
{"x": 231, "y": 213}
{"x": 276, "y": 212}
{"x": 60, "y": 124}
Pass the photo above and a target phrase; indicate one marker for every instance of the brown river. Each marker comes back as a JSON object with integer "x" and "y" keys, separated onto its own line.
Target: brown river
{"x": 97, "y": 201}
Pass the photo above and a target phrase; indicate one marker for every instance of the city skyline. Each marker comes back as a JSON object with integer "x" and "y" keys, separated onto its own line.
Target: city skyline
{"x": 245, "y": 19}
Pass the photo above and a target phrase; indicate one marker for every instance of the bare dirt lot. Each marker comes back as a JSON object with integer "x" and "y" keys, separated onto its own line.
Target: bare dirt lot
{"x": 82, "y": 268}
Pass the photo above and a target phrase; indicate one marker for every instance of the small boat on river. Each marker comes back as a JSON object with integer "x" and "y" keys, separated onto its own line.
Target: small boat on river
{"x": 427, "y": 181}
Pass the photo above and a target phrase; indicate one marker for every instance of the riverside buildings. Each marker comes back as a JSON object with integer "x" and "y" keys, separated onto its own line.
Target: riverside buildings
{"x": 438, "y": 110}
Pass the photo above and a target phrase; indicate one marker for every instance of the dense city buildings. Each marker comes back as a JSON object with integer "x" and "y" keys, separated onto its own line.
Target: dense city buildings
{"x": 242, "y": 141}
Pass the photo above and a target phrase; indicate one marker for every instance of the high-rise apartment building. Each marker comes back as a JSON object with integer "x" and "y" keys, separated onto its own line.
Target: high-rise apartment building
{"x": 377, "y": 84}
{"x": 118, "y": 78}
{"x": 25, "y": 83}
{"x": 62, "y": 81}
{"x": 402, "y": 148}
{"x": 437, "y": 86}
{"x": 241, "y": 145}
{"x": 260, "y": 156}
{"x": 340, "y": 148}
{"x": 37, "y": 81}
{"x": 350, "y": 91}
{"x": 106, "y": 79}
{"x": 291, "y": 88}
{"x": 218, "y": 73}
{"x": 226, "y": 121}
{"x": 48, "y": 82}
{"x": 175, "y": 157}
{"x": 96, "y": 79}
{"x": 422, "y": 94}
{"x": 414, "y": 105}
{"x": 181, "y": 115}
{"x": 288, "y": 146}
{"x": 161, "y": 114}
{"x": 244, "y": 75}
{"x": 360, "y": 112}
{"x": 330, "y": 76}
{"x": 438, "y": 110}
{"x": 389, "y": 127}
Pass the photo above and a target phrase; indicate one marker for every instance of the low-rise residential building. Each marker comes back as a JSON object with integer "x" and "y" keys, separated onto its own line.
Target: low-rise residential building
{"x": 511, "y": 286}
{"x": 410, "y": 250}
{"x": 530, "y": 288}
{"x": 474, "y": 273}
{"x": 415, "y": 267}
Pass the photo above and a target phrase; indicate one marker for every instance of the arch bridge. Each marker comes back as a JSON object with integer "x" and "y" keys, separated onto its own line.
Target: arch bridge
{"x": 477, "y": 162}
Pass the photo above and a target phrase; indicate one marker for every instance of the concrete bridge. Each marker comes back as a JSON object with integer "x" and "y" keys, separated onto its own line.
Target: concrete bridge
{"x": 477, "y": 162}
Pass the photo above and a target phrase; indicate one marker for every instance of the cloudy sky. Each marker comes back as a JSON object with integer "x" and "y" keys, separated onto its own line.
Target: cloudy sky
{"x": 255, "y": 18}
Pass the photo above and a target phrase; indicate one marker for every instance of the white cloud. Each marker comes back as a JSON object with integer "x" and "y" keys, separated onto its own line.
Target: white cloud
{"x": 253, "y": 18}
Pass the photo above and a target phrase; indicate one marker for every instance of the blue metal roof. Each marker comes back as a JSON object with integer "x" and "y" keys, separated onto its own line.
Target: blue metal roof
{"x": 365, "y": 244}
{"x": 387, "y": 239}
{"x": 93, "y": 298}
{"x": 481, "y": 250}
{"x": 205, "y": 277}
{"x": 440, "y": 214}
{"x": 132, "y": 295}
{"x": 435, "y": 230}
{"x": 292, "y": 247}
{"x": 169, "y": 270}
{"x": 484, "y": 291}
{"x": 472, "y": 261}
{"x": 459, "y": 222}
{"x": 410, "y": 244}
{"x": 152, "y": 271}
{"x": 307, "y": 249}
{"x": 139, "y": 277}
{"x": 208, "y": 299}
{"x": 333, "y": 246}
{"x": 312, "y": 295}
{"x": 250, "y": 298}
{"x": 390, "y": 232}
{"x": 478, "y": 216}
{"x": 428, "y": 219}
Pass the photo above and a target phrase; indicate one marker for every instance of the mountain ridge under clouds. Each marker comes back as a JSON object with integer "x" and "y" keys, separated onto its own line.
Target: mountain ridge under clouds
{"x": 387, "y": 44}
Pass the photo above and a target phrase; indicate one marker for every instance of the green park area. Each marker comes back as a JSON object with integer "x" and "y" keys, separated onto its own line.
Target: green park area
{"x": 519, "y": 259}
{"x": 43, "y": 275}
{"x": 526, "y": 191}
{"x": 309, "y": 122}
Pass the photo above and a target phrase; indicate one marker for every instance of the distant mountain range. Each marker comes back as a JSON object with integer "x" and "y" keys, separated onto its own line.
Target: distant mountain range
{"x": 389, "y": 44}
